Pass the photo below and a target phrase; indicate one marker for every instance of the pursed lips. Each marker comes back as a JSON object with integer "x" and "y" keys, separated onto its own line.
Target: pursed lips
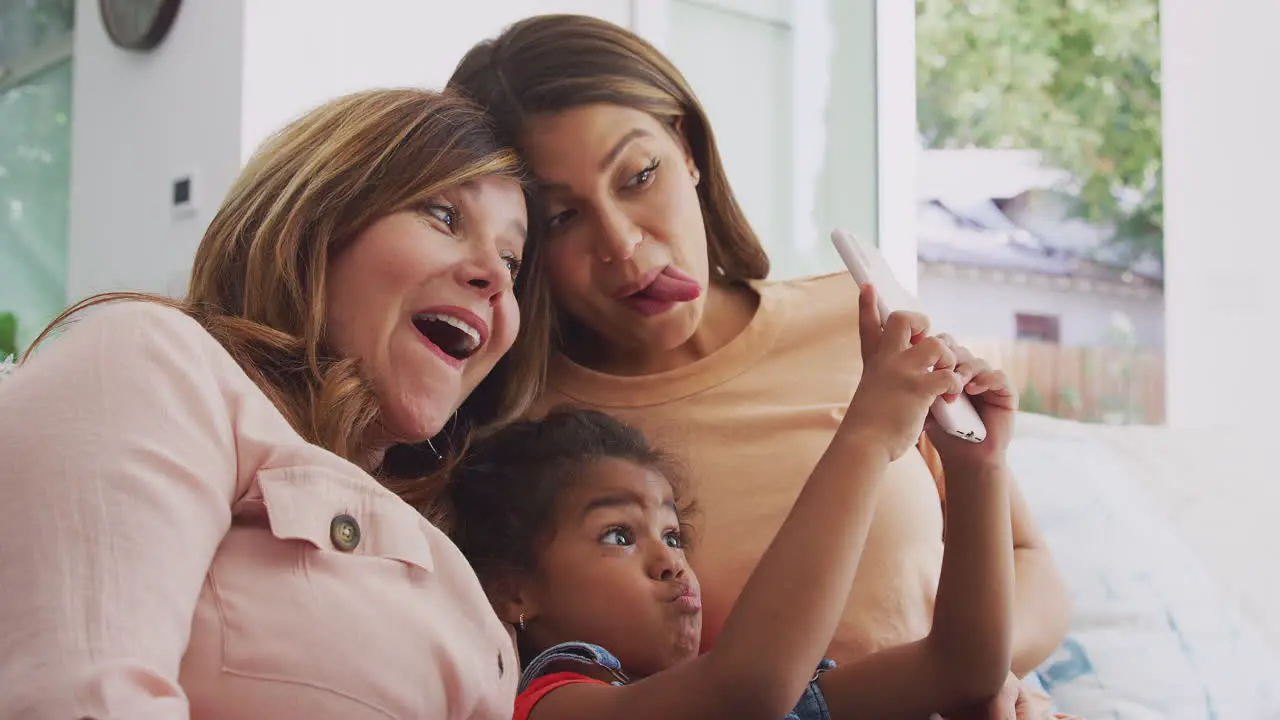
{"x": 686, "y": 597}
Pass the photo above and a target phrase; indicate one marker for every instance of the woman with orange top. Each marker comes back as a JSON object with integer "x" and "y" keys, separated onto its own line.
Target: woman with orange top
{"x": 664, "y": 318}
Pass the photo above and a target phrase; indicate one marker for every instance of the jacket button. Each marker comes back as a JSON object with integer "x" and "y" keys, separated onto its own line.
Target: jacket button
{"x": 344, "y": 532}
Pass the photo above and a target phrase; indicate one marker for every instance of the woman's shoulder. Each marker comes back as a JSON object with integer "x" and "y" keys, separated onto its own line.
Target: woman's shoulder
{"x": 835, "y": 289}
{"x": 820, "y": 302}
{"x": 135, "y": 337}
{"x": 832, "y": 283}
{"x": 157, "y": 317}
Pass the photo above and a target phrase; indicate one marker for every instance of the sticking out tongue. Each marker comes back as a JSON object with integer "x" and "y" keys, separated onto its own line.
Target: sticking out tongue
{"x": 672, "y": 285}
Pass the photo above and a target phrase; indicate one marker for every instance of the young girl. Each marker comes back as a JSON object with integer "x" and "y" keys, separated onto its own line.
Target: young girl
{"x": 579, "y": 532}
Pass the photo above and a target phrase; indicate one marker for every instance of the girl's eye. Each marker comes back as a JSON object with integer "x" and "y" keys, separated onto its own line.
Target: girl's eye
{"x": 620, "y": 537}
{"x": 513, "y": 264}
{"x": 672, "y": 539}
{"x": 560, "y": 218}
{"x": 446, "y": 214}
{"x": 645, "y": 176}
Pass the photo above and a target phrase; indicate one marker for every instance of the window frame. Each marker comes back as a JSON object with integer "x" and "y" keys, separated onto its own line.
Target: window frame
{"x": 50, "y": 53}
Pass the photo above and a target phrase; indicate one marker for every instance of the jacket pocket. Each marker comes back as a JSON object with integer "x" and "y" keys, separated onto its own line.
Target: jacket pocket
{"x": 316, "y": 504}
{"x": 324, "y": 581}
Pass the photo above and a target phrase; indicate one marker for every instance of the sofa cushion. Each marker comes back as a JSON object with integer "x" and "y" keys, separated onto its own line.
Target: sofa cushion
{"x": 1151, "y": 635}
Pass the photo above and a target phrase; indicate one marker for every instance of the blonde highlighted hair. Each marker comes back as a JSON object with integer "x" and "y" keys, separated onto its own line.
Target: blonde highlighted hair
{"x": 258, "y": 279}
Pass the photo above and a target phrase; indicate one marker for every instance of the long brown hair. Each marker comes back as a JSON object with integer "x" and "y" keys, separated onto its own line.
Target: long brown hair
{"x": 550, "y": 63}
{"x": 258, "y": 279}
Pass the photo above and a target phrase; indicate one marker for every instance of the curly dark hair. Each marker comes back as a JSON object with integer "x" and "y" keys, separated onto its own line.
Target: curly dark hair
{"x": 506, "y": 488}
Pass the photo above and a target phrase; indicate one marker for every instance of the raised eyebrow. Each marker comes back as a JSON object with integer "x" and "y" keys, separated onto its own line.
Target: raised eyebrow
{"x": 464, "y": 204}
{"x": 550, "y": 187}
{"x": 616, "y": 500}
{"x": 622, "y": 143}
{"x": 605, "y": 162}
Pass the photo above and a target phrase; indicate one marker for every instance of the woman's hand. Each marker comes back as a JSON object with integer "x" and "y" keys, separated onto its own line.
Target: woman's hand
{"x": 904, "y": 372}
{"x": 996, "y": 402}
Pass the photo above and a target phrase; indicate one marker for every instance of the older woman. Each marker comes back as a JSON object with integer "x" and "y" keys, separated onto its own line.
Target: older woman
{"x": 199, "y": 520}
{"x": 664, "y": 319}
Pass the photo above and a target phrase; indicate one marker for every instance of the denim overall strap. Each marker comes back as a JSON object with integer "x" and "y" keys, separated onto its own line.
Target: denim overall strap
{"x": 579, "y": 652}
{"x": 813, "y": 705}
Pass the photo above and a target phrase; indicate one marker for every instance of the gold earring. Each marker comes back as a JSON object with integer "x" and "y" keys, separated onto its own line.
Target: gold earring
{"x": 522, "y": 624}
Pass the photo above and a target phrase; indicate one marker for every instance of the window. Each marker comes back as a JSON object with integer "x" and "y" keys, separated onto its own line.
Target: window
{"x": 35, "y": 159}
{"x": 789, "y": 86}
{"x": 1041, "y": 328}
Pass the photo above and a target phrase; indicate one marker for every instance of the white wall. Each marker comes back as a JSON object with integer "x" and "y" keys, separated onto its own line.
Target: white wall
{"x": 982, "y": 311}
{"x": 823, "y": 147}
{"x": 813, "y": 106}
{"x": 137, "y": 120}
{"x": 300, "y": 53}
{"x": 231, "y": 72}
{"x": 746, "y": 95}
{"x": 1222, "y": 239}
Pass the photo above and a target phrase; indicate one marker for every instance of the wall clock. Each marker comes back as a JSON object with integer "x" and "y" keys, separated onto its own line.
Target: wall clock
{"x": 138, "y": 24}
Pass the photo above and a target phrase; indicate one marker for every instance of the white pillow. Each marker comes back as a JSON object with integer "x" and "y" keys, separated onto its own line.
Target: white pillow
{"x": 1151, "y": 636}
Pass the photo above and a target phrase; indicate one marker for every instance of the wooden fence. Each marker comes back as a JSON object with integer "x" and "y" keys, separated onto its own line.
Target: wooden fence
{"x": 1093, "y": 384}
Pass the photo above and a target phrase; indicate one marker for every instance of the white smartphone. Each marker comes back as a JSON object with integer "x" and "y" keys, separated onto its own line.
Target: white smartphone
{"x": 867, "y": 265}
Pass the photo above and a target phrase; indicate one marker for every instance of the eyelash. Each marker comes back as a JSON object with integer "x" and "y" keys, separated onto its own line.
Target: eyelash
{"x": 631, "y": 541}
{"x": 618, "y": 529}
{"x": 646, "y": 174}
{"x": 452, "y": 211}
{"x": 513, "y": 262}
{"x": 644, "y": 178}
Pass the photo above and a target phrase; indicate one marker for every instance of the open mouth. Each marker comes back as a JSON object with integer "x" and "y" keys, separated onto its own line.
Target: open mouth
{"x": 455, "y": 337}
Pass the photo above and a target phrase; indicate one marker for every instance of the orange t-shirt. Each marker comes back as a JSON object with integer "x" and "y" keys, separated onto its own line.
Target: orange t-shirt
{"x": 750, "y": 422}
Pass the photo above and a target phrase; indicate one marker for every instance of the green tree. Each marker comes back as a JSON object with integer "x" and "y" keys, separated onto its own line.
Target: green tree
{"x": 8, "y": 335}
{"x": 35, "y": 160}
{"x": 1078, "y": 80}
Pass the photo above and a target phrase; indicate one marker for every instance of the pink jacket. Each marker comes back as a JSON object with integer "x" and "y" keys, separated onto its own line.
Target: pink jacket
{"x": 171, "y": 548}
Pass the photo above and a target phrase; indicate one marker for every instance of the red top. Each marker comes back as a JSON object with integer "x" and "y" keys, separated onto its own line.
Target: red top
{"x": 543, "y": 685}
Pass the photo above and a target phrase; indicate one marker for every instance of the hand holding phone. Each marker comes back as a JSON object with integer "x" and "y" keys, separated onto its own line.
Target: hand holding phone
{"x": 867, "y": 266}
{"x": 903, "y": 372}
